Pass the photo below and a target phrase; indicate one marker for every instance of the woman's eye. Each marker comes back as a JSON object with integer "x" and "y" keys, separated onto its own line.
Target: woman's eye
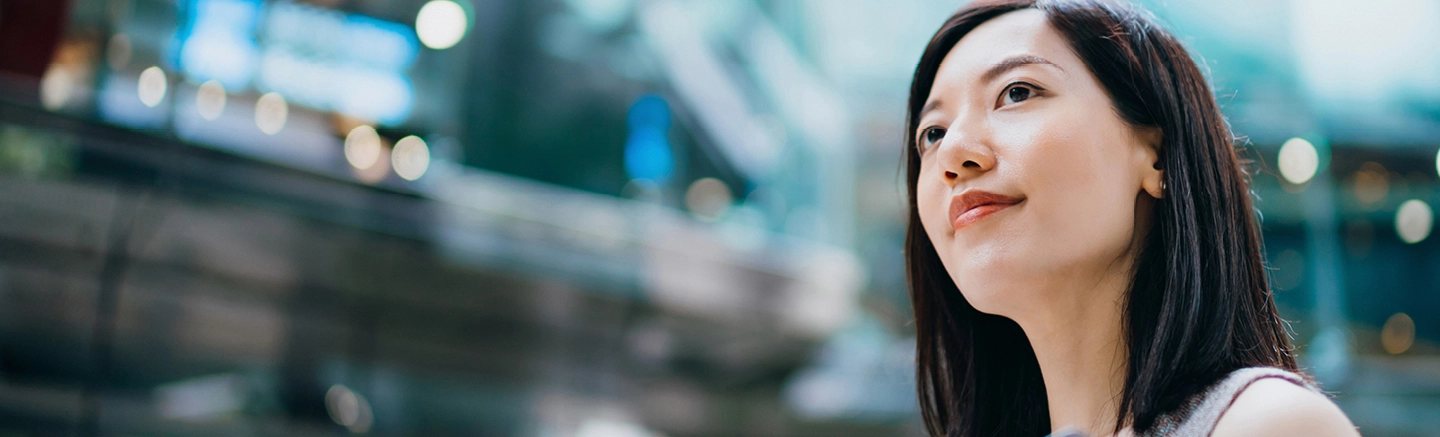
{"x": 1018, "y": 93}
{"x": 931, "y": 136}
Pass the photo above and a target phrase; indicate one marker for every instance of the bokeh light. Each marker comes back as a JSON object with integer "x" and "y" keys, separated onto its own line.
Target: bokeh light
{"x": 362, "y": 147}
{"x": 210, "y": 100}
{"x": 349, "y": 409}
{"x": 271, "y": 111}
{"x": 117, "y": 51}
{"x": 410, "y": 158}
{"x": 1398, "y": 334}
{"x": 708, "y": 199}
{"x": 609, "y": 427}
{"x": 152, "y": 86}
{"x": 1371, "y": 184}
{"x": 441, "y": 24}
{"x": 1413, "y": 220}
{"x": 379, "y": 170}
{"x": 1298, "y": 161}
{"x": 56, "y": 87}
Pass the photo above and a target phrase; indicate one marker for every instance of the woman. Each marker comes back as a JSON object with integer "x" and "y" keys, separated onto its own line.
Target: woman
{"x": 1082, "y": 251}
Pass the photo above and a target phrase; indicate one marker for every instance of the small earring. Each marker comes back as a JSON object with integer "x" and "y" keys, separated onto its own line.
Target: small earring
{"x": 1162, "y": 186}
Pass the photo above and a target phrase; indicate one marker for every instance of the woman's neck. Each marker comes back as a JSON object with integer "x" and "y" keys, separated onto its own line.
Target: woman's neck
{"x": 1078, "y": 341}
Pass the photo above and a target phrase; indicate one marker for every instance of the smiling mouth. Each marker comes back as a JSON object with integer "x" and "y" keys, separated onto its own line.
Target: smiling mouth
{"x": 974, "y": 205}
{"x": 977, "y": 213}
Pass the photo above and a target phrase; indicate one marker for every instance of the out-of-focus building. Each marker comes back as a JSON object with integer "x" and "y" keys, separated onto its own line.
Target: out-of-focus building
{"x": 425, "y": 218}
{"x": 601, "y": 217}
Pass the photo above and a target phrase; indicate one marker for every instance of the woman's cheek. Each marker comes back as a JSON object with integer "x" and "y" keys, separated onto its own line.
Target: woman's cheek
{"x": 929, "y": 202}
{"x": 1083, "y": 206}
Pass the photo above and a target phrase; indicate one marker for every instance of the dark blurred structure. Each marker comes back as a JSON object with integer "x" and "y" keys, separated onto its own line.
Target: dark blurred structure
{"x": 598, "y": 218}
{"x": 235, "y": 217}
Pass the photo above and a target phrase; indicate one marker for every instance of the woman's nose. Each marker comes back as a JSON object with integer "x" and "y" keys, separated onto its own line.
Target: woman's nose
{"x": 965, "y": 154}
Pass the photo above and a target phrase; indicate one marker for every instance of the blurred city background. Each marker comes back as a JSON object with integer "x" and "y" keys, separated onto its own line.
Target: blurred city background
{"x": 602, "y": 218}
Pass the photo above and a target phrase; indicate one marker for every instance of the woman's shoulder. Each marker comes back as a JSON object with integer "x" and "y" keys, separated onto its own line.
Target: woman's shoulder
{"x": 1280, "y": 406}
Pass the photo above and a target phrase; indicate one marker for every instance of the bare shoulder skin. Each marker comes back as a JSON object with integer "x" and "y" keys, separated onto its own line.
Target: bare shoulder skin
{"x": 1274, "y": 407}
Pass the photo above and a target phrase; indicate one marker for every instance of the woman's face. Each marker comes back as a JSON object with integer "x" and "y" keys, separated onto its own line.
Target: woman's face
{"x": 1030, "y": 182}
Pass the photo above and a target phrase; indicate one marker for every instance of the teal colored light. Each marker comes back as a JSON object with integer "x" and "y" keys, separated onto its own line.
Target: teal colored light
{"x": 647, "y": 150}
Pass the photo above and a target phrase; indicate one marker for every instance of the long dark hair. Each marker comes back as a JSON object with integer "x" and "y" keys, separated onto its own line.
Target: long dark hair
{"x": 1199, "y": 305}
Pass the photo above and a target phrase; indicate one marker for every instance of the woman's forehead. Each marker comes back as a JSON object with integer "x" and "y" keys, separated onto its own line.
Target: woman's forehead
{"x": 1022, "y": 33}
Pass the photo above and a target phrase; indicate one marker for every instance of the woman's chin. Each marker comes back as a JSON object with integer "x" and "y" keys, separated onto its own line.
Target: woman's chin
{"x": 992, "y": 293}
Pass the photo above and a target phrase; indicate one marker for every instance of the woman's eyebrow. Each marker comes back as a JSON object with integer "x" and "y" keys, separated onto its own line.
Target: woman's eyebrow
{"x": 930, "y": 105}
{"x": 1013, "y": 63}
{"x": 995, "y": 71}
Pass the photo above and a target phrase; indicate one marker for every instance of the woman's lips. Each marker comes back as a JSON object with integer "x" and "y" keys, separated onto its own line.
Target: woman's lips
{"x": 972, "y": 205}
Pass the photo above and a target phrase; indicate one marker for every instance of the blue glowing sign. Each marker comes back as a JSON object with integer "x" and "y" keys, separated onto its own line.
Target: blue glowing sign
{"x": 647, "y": 150}
{"x": 315, "y": 57}
{"x": 219, "y": 42}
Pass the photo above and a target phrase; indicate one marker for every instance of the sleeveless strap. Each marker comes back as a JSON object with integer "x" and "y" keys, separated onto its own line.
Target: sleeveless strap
{"x": 1198, "y": 416}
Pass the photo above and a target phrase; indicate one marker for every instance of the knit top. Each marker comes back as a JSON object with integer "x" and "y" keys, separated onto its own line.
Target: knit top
{"x": 1198, "y": 415}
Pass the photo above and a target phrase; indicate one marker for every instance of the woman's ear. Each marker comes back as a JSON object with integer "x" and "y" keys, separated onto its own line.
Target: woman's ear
{"x": 1154, "y": 184}
{"x": 1152, "y": 176}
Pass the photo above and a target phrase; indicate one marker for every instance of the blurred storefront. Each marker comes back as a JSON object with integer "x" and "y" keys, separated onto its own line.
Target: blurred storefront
{"x": 236, "y": 217}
